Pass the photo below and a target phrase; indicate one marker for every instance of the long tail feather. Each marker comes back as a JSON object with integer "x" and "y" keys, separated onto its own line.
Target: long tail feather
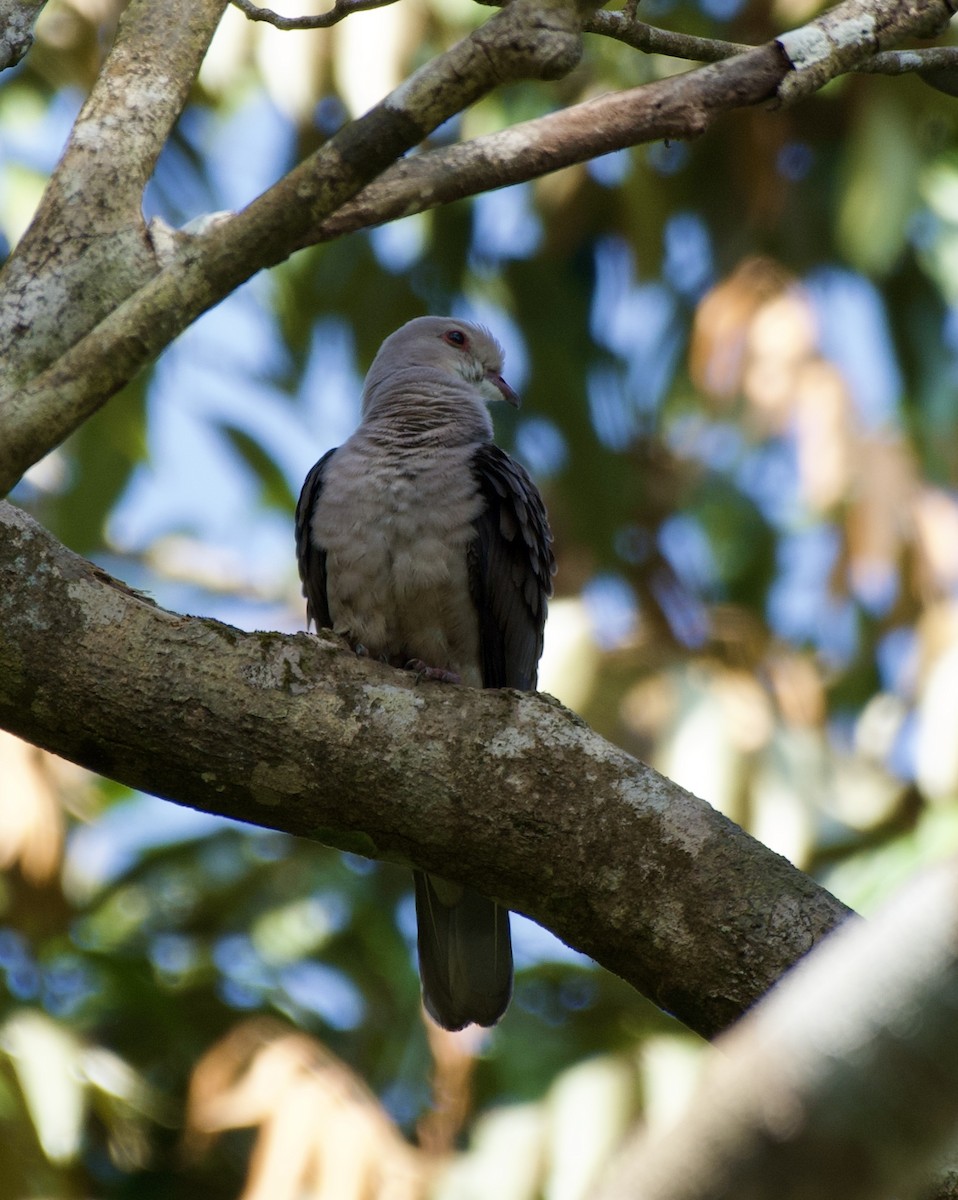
{"x": 465, "y": 953}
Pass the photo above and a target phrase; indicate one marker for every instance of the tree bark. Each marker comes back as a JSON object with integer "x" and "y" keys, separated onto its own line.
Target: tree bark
{"x": 841, "y": 1085}
{"x": 503, "y": 790}
{"x": 681, "y": 107}
{"x": 87, "y": 247}
{"x": 17, "y": 19}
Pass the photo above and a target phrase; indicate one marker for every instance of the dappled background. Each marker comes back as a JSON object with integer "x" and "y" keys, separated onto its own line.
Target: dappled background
{"x": 738, "y": 359}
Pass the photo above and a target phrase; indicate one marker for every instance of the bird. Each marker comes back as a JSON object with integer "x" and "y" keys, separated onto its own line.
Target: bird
{"x": 428, "y": 547}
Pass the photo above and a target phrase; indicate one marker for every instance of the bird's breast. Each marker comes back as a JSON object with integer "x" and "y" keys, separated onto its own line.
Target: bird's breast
{"x": 396, "y": 533}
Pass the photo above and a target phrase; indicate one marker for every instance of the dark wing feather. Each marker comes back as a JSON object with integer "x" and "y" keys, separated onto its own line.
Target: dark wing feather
{"x": 465, "y": 950}
{"x": 312, "y": 558}
{"x": 510, "y": 570}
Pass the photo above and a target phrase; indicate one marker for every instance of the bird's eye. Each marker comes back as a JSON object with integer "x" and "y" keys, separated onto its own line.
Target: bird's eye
{"x": 455, "y": 337}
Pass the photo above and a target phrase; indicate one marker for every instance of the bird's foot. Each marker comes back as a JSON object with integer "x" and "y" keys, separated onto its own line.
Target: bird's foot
{"x": 424, "y": 671}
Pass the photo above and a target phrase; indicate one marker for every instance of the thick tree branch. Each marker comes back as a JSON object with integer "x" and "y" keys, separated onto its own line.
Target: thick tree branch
{"x": 841, "y": 1085}
{"x": 87, "y": 247}
{"x": 849, "y": 34}
{"x": 529, "y": 39}
{"x": 504, "y": 790}
{"x": 17, "y": 18}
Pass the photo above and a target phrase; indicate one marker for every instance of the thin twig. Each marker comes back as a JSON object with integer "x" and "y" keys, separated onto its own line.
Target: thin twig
{"x": 653, "y": 40}
{"x": 903, "y": 62}
{"x": 623, "y": 26}
{"x": 340, "y": 10}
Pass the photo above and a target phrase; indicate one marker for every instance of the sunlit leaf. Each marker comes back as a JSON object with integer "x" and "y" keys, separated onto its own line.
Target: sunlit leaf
{"x": 46, "y": 1060}
{"x": 589, "y": 1111}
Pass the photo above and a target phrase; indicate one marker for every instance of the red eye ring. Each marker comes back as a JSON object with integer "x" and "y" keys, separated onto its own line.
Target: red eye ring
{"x": 455, "y": 337}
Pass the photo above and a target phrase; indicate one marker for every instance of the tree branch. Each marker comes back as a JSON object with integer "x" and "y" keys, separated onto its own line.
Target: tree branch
{"x": 906, "y": 62}
{"x": 842, "y": 1084}
{"x": 849, "y": 34}
{"x": 88, "y": 238}
{"x": 680, "y": 107}
{"x": 340, "y": 10}
{"x": 622, "y": 26}
{"x": 17, "y": 18}
{"x": 529, "y": 39}
{"x": 504, "y": 790}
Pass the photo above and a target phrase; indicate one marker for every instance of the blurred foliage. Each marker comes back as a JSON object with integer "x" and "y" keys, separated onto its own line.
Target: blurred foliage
{"x": 738, "y": 360}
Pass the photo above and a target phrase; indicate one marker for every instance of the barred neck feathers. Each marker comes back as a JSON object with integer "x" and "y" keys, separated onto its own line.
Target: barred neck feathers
{"x": 417, "y": 406}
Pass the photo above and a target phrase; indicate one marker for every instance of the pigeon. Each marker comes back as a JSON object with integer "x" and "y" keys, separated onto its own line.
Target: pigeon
{"x": 428, "y": 547}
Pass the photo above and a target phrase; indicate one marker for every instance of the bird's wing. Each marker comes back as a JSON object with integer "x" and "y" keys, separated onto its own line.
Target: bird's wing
{"x": 312, "y": 558}
{"x": 510, "y": 570}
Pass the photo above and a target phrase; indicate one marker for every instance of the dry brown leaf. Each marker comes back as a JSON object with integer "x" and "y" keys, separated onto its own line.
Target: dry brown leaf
{"x": 747, "y": 710}
{"x": 937, "y": 631}
{"x": 824, "y": 434}
{"x": 936, "y": 523}
{"x": 798, "y": 688}
{"x": 878, "y": 522}
{"x": 322, "y": 1134}
{"x": 454, "y": 1061}
{"x": 31, "y": 817}
{"x": 718, "y": 351}
{"x": 780, "y": 340}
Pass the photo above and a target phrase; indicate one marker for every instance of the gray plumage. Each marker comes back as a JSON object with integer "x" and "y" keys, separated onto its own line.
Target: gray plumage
{"x": 421, "y": 541}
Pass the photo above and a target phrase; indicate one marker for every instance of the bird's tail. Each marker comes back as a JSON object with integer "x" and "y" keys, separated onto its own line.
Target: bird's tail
{"x": 465, "y": 953}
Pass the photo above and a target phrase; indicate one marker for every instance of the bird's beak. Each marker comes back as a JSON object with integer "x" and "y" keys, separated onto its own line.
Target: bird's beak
{"x": 504, "y": 389}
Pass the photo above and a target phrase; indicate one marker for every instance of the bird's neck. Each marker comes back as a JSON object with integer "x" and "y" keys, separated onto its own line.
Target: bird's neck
{"x": 429, "y": 413}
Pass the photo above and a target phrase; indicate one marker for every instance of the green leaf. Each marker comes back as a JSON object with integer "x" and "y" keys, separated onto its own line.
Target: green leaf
{"x": 274, "y": 487}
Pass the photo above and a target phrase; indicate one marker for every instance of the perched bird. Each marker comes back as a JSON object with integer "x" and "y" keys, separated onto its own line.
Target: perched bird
{"x": 428, "y": 547}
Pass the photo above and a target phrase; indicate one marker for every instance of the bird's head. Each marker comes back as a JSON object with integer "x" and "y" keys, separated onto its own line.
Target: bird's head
{"x": 445, "y": 345}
